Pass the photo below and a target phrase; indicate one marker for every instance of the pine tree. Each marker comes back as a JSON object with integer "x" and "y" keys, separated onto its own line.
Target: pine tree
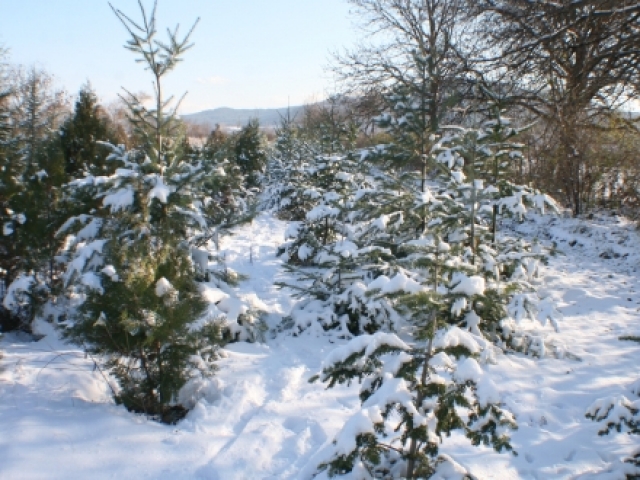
{"x": 460, "y": 288}
{"x": 330, "y": 126}
{"x": 132, "y": 259}
{"x": 33, "y": 175}
{"x": 287, "y": 171}
{"x": 217, "y": 146}
{"x": 250, "y": 152}
{"x": 7, "y": 188}
{"x": 330, "y": 258}
{"x": 326, "y": 251}
{"x": 81, "y": 133}
{"x": 232, "y": 201}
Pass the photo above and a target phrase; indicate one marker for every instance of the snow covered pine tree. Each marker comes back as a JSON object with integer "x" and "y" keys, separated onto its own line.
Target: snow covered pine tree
{"x": 130, "y": 262}
{"x": 458, "y": 287}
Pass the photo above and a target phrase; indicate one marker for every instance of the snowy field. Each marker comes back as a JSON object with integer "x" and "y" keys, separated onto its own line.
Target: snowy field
{"x": 260, "y": 418}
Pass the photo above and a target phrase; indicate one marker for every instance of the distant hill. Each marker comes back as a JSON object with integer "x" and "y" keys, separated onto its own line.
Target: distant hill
{"x": 235, "y": 117}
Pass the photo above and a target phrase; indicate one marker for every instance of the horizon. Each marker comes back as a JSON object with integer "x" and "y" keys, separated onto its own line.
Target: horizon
{"x": 253, "y": 56}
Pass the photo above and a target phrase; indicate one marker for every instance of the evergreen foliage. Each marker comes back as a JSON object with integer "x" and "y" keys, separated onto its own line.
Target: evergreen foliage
{"x": 130, "y": 263}
{"x": 232, "y": 202}
{"x": 32, "y": 174}
{"x": 456, "y": 298}
{"x": 7, "y": 187}
{"x": 330, "y": 127}
{"x": 82, "y": 133}
{"x": 620, "y": 414}
{"x": 448, "y": 279}
{"x": 331, "y": 258}
{"x": 250, "y": 153}
{"x": 326, "y": 251}
{"x": 287, "y": 171}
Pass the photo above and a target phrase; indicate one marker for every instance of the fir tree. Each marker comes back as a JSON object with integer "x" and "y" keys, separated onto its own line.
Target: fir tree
{"x": 217, "y": 146}
{"x": 330, "y": 126}
{"x": 330, "y": 257}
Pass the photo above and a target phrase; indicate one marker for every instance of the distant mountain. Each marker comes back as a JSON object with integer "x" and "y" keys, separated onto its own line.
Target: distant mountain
{"x": 234, "y": 117}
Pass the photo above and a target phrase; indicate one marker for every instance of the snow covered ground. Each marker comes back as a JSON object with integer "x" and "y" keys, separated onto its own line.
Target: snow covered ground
{"x": 259, "y": 418}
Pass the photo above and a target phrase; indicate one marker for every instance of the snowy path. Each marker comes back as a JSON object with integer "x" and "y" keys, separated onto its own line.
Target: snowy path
{"x": 263, "y": 420}
{"x": 599, "y": 301}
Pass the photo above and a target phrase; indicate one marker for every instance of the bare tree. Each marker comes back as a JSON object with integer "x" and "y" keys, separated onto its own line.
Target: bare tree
{"x": 410, "y": 50}
{"x": 572, "y": 63}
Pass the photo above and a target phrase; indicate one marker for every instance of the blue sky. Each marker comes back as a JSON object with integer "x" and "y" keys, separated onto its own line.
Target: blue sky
{"x": 247, "y": 53}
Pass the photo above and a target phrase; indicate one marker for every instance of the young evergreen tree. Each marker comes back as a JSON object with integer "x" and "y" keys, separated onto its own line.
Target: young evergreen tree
{"x": 287, "y": 171}
{"x": 414, "y": 392}
{"x": 81, "y": 134}
{"x": 250, "y": 152}
{"x": 326, "y": 251}
{"x": 459, "y": 289}
{"x": 7, "y": 186}
{"x": 331, "y": 126}
{"x": 132, "y": 258}
{"x": 218, "y": 145}
{"x": 32, "y": 189}
{"x": 331, "y": 259}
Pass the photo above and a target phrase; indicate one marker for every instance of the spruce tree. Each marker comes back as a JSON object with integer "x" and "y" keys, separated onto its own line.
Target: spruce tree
{"x": 331, "y": 259}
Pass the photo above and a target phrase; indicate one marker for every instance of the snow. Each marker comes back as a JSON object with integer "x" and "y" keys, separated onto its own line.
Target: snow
{"x": 398, "y": 283}
{"x": 163, "y": 286}
{"x": 381, "y": 223}
{"x": 361, "y": 423}
{"x": 455, "y": 337}
{"x": 367, "y": 343}
{"x": 487, "y": 391}
{"x": 458, "y": 306}
{"x": 13, "y": 298}
{"x": 321, "y": 212}
{"x": 160, "y": 190}
{"x": 469, "y": 286}
{"x": 472, "y": 320}
{"x": 92, "y": 281}
{"x": 121, "y": 199}
{"x": 260, "y": 418}
{"x": 468, "y": 370}
{"x": 346, "y": 248}
{"x": 305, "y": 251}
{"x": 449, "y": 469}
{"x": 85, "y": 253}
